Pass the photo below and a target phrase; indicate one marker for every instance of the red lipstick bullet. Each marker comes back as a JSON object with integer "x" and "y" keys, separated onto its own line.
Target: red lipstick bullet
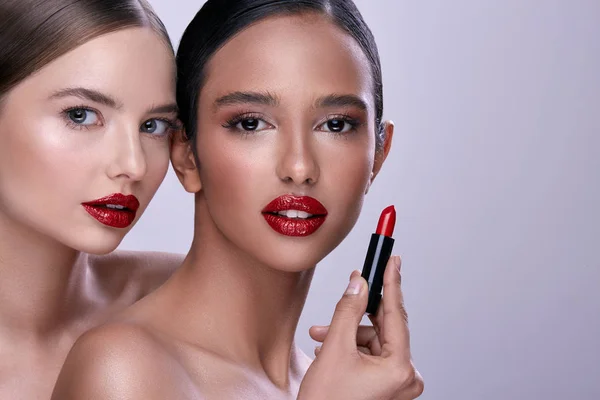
{"x": 378, "y": 255}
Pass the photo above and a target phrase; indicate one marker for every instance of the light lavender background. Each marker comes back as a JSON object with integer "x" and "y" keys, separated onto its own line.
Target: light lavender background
{"x": 495, "y": 172}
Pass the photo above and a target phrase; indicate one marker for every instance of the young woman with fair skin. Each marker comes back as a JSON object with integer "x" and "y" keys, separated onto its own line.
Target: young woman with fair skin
{"x": 87, "y": 108}
{"x": 281, "y": 101}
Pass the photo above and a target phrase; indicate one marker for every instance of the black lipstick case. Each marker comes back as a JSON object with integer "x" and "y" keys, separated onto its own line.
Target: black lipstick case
{"x": 378, "y": 255}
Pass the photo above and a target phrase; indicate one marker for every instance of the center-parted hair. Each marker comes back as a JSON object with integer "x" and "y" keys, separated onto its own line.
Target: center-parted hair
{"x": 34, "y": 33}
{"x": 219, "y": 20}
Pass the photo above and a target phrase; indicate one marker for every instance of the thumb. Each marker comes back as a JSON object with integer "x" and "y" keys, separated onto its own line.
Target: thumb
{"x": 347, "y": 316}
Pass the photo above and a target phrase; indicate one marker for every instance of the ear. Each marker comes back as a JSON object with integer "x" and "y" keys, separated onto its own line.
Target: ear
{"x": 382, "y": 153}
{"x": 184, "y": 163}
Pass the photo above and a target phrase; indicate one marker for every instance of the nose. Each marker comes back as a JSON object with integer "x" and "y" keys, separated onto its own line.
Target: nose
{"x": 297, "y": 162}
{"x": 128, "y": 159}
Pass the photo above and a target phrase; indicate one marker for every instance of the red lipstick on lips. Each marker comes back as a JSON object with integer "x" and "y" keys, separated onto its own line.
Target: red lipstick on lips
{"x": 295, "y": 215}
{"x": 378, "y": 255}
{"x": 116, "y": 210}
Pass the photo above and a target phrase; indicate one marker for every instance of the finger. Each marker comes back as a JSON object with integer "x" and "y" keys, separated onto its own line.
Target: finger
{"x": 364, "y": 350}
{"x": 364, "y": 334}
{"x": 347, "y": 316}
{"x": 377, "y": 321}
{"x": 412, "y": 389}
{"x": 317, "y": 350}
{"x": 318, "y": 333}
{"x": 366, "y": 337}
{"x": 418, "y": 386}
{"x": 394, "y": 329}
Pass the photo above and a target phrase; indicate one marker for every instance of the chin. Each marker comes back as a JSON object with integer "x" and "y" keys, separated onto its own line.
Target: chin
{"x": 295, "y": 257}
{"x": 283, "y": 253}
{"x": 97, "y": 243}
{"x": 287, "y": 264}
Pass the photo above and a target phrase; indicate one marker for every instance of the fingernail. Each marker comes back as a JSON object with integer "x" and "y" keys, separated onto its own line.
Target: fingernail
{"x": 317, "y": 350}
{"x": 319, "y": 328}
{"x": 354, "y": 286}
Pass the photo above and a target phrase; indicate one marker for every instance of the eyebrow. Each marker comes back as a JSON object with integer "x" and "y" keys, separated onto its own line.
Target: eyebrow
{"x": 333, "y": 100}
{"x": 88, "y": 94}
{"x": 101, "y": 98}
{"x": 164, "y": 109}
{"x": 344, "y": 100}
{"x": 234, "y": 98}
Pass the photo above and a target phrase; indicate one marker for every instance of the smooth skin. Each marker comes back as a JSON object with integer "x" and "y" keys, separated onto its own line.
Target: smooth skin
{"x": 223, "y": 326}
{"x": 62, "y": 146}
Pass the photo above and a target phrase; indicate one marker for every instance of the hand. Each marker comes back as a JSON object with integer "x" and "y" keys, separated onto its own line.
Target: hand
{"x": 364, "y": 362}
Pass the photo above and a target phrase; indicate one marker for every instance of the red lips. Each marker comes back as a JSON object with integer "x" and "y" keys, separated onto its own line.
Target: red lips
{"x": 297, "y": 223}
{"x": 116, "y": 210}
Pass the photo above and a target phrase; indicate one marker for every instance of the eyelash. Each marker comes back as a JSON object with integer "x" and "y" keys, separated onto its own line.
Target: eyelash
{"x": 353, "y": 122}
{"x": 65, "y": 114}
{"x": 232, "y": 122}
{"x": 172, "y": 126}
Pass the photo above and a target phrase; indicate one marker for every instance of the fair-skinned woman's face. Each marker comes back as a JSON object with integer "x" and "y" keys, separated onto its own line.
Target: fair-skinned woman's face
{"x": 93, "y": 123}
{"x": 287, "y": 109}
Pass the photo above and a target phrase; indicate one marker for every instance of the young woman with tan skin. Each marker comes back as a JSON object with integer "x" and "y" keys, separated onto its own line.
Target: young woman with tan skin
{"x": 282, "y": 106}
{"x": 87, "y": 107}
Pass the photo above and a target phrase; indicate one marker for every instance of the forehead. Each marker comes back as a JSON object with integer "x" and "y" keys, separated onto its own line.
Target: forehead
{"x": 129, "y": 62}
{"x": 293, "y": 54}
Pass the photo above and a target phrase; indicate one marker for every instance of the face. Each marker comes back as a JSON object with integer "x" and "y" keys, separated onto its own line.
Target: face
{"x": 91, "y": 124}
{"x": 286, "y": 129}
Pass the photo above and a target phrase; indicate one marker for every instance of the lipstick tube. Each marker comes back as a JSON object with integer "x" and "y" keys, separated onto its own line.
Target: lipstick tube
{"x": 378, "y": 255}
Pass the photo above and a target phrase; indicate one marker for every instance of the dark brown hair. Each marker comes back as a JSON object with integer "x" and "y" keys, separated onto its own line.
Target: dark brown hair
{"x": 33, "y": 33}
{"x": 219, "y": 20}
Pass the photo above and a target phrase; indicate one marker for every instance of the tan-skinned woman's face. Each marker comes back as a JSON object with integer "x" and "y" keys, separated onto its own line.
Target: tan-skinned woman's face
{"x": 287, "y": 109}
{"x": 92, "y": 123}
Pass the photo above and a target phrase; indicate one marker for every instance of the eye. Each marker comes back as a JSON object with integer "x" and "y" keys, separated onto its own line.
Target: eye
{"x": 82, "y": 116}
{"x": 156, "y": 126}
{"x": 251, "y": 124}
{"x": 247, "y": 123}
{"x": 337, "y": 125}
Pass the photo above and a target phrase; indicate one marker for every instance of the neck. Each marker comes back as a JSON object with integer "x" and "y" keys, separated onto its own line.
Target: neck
{"x": 247, "y": 312}
{"x": 37, "y": 280}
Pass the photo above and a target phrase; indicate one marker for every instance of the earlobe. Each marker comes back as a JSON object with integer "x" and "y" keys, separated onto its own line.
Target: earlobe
{"x": 184, "y": 163}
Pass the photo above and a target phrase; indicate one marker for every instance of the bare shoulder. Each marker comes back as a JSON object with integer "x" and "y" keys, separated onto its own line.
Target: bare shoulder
{"x": 122, "y": 361}
{"x": 143, "y": 270}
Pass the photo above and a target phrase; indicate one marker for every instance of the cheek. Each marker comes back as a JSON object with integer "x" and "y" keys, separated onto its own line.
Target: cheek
{"x": 157, "y": 156}
{"x": 355, "y": 173}
{"x": 348, "y": 173}
{"x": 42, "y": 157}
{"x": 45, "y": 172}
{"x": 235, "y": 177}
{"x": 349, "y": 168}
{"x": 156, "y": 153}
{"x": 230, "y": 177}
